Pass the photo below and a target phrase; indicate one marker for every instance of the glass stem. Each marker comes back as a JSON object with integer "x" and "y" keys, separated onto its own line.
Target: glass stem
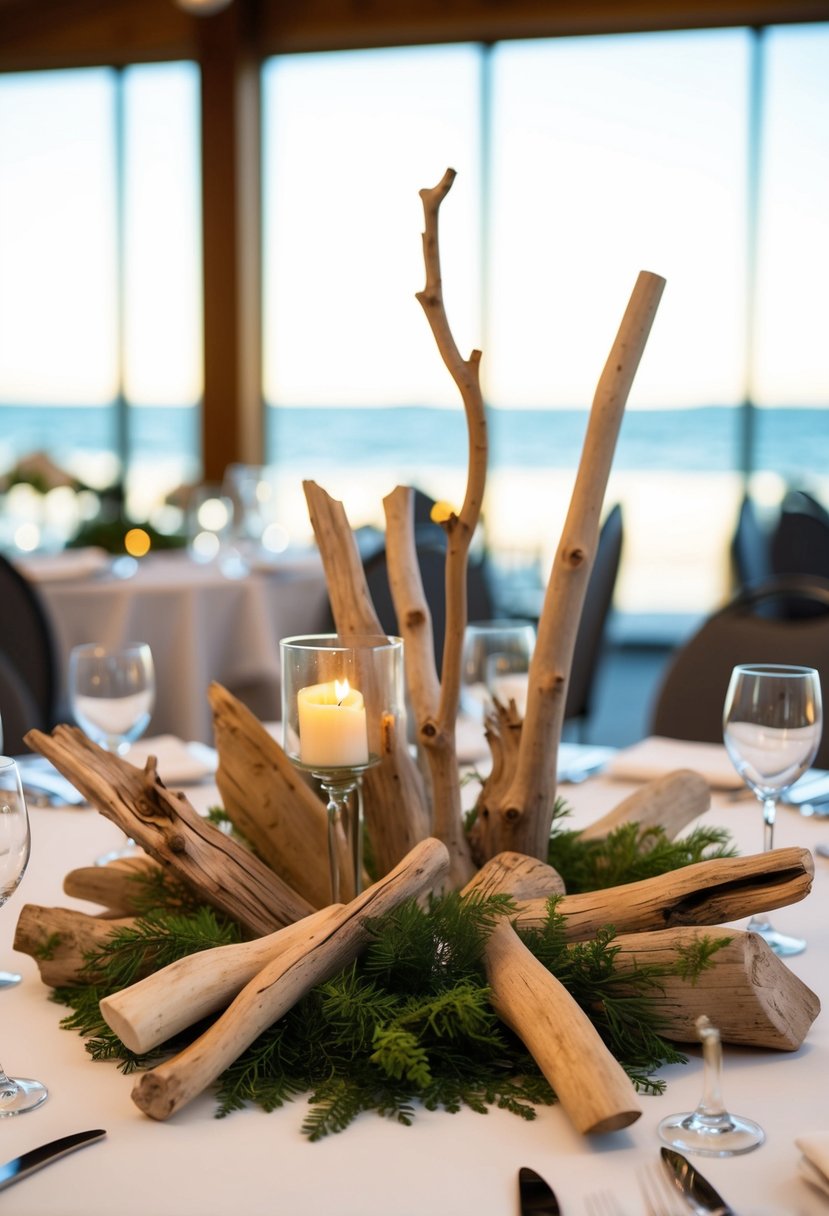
{"x": 711, "y": 1103}
{"x": 8, "y": 1089}
{"x": 769, "y": 812}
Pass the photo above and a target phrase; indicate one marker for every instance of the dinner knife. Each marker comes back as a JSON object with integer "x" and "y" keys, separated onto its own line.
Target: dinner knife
{"x": 36, "y": 1158}
{"x": 697, "y": 1191}
{"x": 537, "y": 1198}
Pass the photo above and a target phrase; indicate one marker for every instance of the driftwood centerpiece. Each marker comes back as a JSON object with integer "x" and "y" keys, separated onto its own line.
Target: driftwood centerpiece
{"x": 278, "y": 893}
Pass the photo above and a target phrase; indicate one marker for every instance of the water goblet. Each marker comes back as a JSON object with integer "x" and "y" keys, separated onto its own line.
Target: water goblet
{"x": 112, "y": 694}
{"x": 17, "y": 1094}
{"x": 342, "y": 702}
{"x": 772, "y": 721}
{"x": 495, "y": 662}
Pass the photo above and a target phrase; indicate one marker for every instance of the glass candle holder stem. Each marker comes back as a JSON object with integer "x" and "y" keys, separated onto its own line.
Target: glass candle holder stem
{"x": 345, "y": 805}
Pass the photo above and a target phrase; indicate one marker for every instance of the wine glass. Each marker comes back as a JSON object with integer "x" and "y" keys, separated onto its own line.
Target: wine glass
{"x": 8, "y": 979}
{"x": 495, "y": 662}
{"x": 772, "y": 721}
{"x": 17, "y": 1094}
{"x": 112, "y": 694}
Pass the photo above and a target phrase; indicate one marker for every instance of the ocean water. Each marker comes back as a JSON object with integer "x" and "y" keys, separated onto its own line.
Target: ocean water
{"x": 792, "y": 442}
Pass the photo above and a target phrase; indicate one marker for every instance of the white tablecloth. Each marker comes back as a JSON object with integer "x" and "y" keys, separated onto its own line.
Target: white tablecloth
{"x": 445, "y": 1165}
{"x": 200, "y": 626}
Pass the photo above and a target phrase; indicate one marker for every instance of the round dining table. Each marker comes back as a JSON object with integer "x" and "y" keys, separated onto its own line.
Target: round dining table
{"x": 260, "y": 1164}
{"x": 201, "y": 624}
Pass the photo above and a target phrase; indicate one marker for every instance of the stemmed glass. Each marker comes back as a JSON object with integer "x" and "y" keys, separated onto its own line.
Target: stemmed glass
{"x": 495, "y": 662}
{"x": 8, "y": 979}
{"x": 342, "y": 701}
{"x": 772, "y": 721}
{"x": 112, "y": 694}
{"x": 17, "y": 1094}
{"x": 710, "y": 1130}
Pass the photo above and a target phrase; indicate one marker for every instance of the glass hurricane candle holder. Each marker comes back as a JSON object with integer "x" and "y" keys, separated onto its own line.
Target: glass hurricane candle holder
{"x": 340, "y": 698}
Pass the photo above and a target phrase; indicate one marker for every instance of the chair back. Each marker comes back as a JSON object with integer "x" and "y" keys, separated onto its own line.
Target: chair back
{"x": 598, "y": 601}
{"x": 432, "y": 562}
{"x": 750, "y": 547}
{"x": 689, "y": 703}
{"x": 27, "y": 645}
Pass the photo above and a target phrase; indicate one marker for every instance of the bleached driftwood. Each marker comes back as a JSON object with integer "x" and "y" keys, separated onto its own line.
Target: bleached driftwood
{"x": 591, "y": 1085}
{"x": 170, "y": 830}
{"x": 396, "y": 782}
{"x": 58, "y": 939}
{"x": 281, "y": 983}
{"x": 115, "y": 886}
{"x": 705, "y": 893}
{"x": 520, "y": 818}
{"x": 749, "y": 994}
{"x": 157, "y": 1007}
{"x": 670, "y": 802}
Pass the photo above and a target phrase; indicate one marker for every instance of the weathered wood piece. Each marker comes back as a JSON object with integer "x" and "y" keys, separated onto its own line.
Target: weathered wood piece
{"x": 59, "y": 938}
{"x": 268, "y": 800}
{"x": 705, "y": 893}
{"x": 749, "y": 993}
{"x": 169, "y": 829}
{"x": 670, "y": 802}
{"x": 520, "y": 819}
{"x": 157, "y": 1007}
{"x": 396, "y": 808}
{"x": 591, "y": 1085}
{"x": 114, "y": 886}
{"x": 281, "y": 983}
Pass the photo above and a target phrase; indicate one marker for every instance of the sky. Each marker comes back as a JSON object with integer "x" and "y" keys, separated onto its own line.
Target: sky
{"x": 606, "y": 156}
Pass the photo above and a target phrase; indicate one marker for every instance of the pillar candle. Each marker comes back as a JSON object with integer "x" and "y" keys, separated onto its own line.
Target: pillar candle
{"x": 332, "y": 726}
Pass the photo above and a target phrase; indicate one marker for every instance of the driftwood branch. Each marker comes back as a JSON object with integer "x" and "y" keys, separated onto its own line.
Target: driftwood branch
{"x": 58, "y": 939}
{"x": 670, "y": 802}
{"x": 589, "y": 1082}
{"x": 396, "y": 781}
{"x": 281, "y": 983}
{"x": 115, "y": 887}
{"x": 705, "y": 893}
{"x": 171, "y": 831}
{"x": 521, "y": 818}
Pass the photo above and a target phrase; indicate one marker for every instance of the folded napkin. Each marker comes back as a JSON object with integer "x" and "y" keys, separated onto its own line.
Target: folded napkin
{"x": 814, "y": 1164}
{"x": 656, "y": 756}
{"x": 177, "y": 762}
{"x": 64, "y": 566}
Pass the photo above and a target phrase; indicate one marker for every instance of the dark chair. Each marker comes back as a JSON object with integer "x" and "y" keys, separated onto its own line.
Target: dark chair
{"x": 598, "y": 601}
{"x": 432, "y": 562}
{"x": 689, "y": 703}
{"x": 750, "y": 547}
{"x": 28, "y": 648}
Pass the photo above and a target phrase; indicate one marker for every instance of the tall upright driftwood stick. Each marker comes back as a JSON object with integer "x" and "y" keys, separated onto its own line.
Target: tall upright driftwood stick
{"x": 396, "y": 811}
{"x": 521, "y": 819}
{"x": 167, "y": 827}
{"x": 436, "y": 703}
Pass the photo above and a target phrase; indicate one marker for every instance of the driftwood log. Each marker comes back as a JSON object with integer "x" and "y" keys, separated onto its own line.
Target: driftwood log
{"x": 171, "y": 831}
{"x": 749, "y": 994}
{"x": 591, "y": 1085}
{"x": 281, "y": 983}
{"x": 58, "y": 939}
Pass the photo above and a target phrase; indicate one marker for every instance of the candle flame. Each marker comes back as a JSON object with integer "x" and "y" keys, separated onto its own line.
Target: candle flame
{"x": 341, "y": 690}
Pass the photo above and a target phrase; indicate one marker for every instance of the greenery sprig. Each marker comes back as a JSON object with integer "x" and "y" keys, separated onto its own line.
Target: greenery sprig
{"x": 410, "y": 1022}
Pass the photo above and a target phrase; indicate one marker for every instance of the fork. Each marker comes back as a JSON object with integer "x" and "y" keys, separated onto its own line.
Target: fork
{"x": 602, "y": 1203}
{"x": 659, "y": 1196}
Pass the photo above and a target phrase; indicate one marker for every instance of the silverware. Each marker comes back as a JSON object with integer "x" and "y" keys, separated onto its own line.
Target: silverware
{"x": 696, "y": 1190}
{"x": 537, "y": 1198}
{"x": 36, "y": 1158}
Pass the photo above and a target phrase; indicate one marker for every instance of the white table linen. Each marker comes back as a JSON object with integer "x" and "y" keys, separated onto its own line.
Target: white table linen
{"x": 200, "y": 626}
{"x": 444, "y": 1165}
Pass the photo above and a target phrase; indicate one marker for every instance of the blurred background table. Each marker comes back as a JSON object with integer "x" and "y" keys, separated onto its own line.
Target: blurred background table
{"x": 200, "y": 625}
